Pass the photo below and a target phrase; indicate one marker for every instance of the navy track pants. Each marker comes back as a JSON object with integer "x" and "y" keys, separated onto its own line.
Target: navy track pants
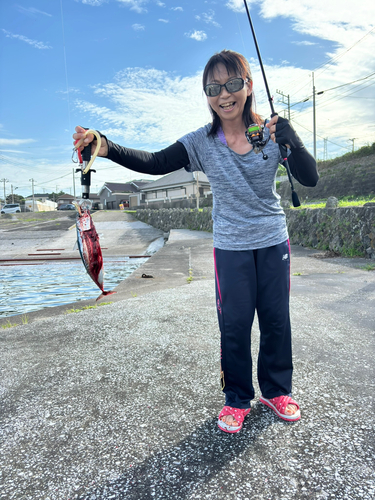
{"x": 247, "y": 281}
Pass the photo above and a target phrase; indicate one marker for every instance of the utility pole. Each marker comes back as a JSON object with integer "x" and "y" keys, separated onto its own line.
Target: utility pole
{"x": 11, "y": 189}
{"x": 4, "y": 181}
{"x": 32, "y": 190}
{"x": 325, "y": 154}
{"x": 314, "y": 121}
{"x": 354, "y": 138}
{"x": 288, "y": 97}
{"x": 197, "y": 174}
{"x": 74, "y": 185}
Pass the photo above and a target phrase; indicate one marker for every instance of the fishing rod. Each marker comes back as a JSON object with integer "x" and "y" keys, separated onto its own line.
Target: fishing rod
{"x": 256, "y": 136}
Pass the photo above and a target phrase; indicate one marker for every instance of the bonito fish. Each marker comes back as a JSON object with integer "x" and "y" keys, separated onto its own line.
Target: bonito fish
{"x": 89, "y": 248}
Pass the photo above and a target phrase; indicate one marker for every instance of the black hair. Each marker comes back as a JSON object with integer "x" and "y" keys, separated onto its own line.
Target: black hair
{"x": 234, "y": 63}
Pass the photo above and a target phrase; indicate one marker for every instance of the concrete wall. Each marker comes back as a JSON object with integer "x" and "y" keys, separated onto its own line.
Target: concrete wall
{"x": 349, "y": 231}
{"x": 47, "y": 206}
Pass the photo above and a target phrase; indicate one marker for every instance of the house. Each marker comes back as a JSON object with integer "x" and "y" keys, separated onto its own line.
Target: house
{"x": 39, "y": 203}
{"x": 68, "y": 198}
{"x": 113, "y": 193}
{"x": 177, "y": 185}
{"x": 64, "y": 199}
{"x": 38, "y": 197}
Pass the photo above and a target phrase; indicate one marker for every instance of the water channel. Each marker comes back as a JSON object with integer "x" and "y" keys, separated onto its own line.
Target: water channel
{"x": 37, "y": 285}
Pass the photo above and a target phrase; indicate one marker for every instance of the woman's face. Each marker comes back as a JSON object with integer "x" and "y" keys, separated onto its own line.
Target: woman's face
{"x": 228, "y": 106}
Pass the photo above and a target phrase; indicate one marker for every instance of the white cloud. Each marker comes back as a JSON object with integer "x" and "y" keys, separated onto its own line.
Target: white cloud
{"x": 335, "y": 20}
{"x": 200, "y": 36}
{"x": 148, "y": 108}
{"x": 33, "y": 43}
{"x": 32, "y": 11}
{"x": 136, "y": 5}
{"x": 71, "y": 90}
{"x": 304, "y": 42}
{"x": 238, "y": 5}
{"x": 350, "y": 34}
{"x": 208, "y": 18}
{"x": 15, "y": 142}
{"x": 177, "y": 8}
{"x": 160, "y": 4}
{"x": 138, "y": 27}
{"x": 163, "y": 20}
{"x": 94, "y": 3}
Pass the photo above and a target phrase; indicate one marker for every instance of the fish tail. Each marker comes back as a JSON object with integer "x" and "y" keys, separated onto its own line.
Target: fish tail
{"x": 104, "y": 294}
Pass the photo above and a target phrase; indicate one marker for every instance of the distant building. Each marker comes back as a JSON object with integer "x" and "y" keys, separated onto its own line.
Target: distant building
{"x": 64, "y": 199}
{"x": 68, "y": 198}
{"x": 39, "y": 206}
{"x": 113, "y": 193}
{"x": 38, "y": 197}
{"x": 177, "y": 185}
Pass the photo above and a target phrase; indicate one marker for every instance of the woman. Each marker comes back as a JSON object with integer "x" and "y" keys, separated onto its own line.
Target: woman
{"x": 251, "y": 246}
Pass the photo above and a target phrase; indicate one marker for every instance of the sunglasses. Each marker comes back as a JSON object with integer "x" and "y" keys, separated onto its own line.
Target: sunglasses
{"x": 214, "y": 89}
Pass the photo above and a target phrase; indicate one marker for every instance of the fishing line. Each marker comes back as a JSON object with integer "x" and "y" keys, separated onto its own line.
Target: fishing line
{"x": 239, "y": 27}
{"x": 66, "y": 69}
{"x": 324, "y": 138}
{"x": 282, "y": 147}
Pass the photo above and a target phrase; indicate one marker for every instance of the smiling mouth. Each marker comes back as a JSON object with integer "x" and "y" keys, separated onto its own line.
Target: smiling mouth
{"x": 227, "y": 106}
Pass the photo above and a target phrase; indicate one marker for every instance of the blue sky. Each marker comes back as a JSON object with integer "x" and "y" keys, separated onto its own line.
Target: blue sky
{"x": 132, "y": 69}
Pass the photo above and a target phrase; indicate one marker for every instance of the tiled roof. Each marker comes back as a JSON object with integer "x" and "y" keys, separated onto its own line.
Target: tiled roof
{"x": 128, "y": 187}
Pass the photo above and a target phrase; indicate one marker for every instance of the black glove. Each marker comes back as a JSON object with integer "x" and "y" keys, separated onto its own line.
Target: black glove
{"x": 285, "y": 134}
{"x": 302, "y": 164}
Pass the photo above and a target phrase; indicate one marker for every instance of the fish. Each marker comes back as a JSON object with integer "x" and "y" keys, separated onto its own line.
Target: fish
{"x": 89, "y": 248}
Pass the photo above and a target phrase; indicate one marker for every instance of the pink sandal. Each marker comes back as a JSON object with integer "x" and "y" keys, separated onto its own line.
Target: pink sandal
{"x": 238, "y": 414}
{"x": 279, "y": 404}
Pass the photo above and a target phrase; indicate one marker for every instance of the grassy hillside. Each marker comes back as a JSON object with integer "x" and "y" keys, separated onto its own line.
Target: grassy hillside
{"x": 351, "y": 175}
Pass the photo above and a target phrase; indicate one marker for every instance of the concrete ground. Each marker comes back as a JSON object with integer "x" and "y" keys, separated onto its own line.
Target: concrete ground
{"x": 121, "y": 401}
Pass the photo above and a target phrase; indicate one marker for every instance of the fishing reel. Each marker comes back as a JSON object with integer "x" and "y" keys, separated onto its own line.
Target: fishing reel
{"x": 255, "y": 137}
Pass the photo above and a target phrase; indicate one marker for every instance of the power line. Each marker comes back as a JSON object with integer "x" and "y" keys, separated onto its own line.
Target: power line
{"x": 343, "y": 53}
{"x": 330, "y": 61}
{"x": 336, "y": 98}
{"x": 51, "y": 180}
{"x": 344, "y": 147}
{"x": 10, "y": 161}
{"x": 350, "y": 83}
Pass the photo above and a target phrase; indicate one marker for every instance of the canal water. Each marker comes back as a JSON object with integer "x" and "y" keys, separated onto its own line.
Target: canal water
{"x": 35, "y": 286}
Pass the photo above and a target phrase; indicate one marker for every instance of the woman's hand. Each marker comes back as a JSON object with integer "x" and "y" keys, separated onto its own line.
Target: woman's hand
{"x": 282, "y": 132}
{"x": 90, "y": 138}
{"x": 272, "y": 126}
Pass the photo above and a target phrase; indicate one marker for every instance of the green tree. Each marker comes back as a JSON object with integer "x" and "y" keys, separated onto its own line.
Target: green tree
{"x": 54, "y": 196}
{"x": 281, "y": 170}
{"x": 17, "y": 199}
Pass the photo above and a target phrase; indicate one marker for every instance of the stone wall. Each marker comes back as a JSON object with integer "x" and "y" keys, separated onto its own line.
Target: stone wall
{"x": 348, "y": 231}
{"x": 177, "y": 218}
